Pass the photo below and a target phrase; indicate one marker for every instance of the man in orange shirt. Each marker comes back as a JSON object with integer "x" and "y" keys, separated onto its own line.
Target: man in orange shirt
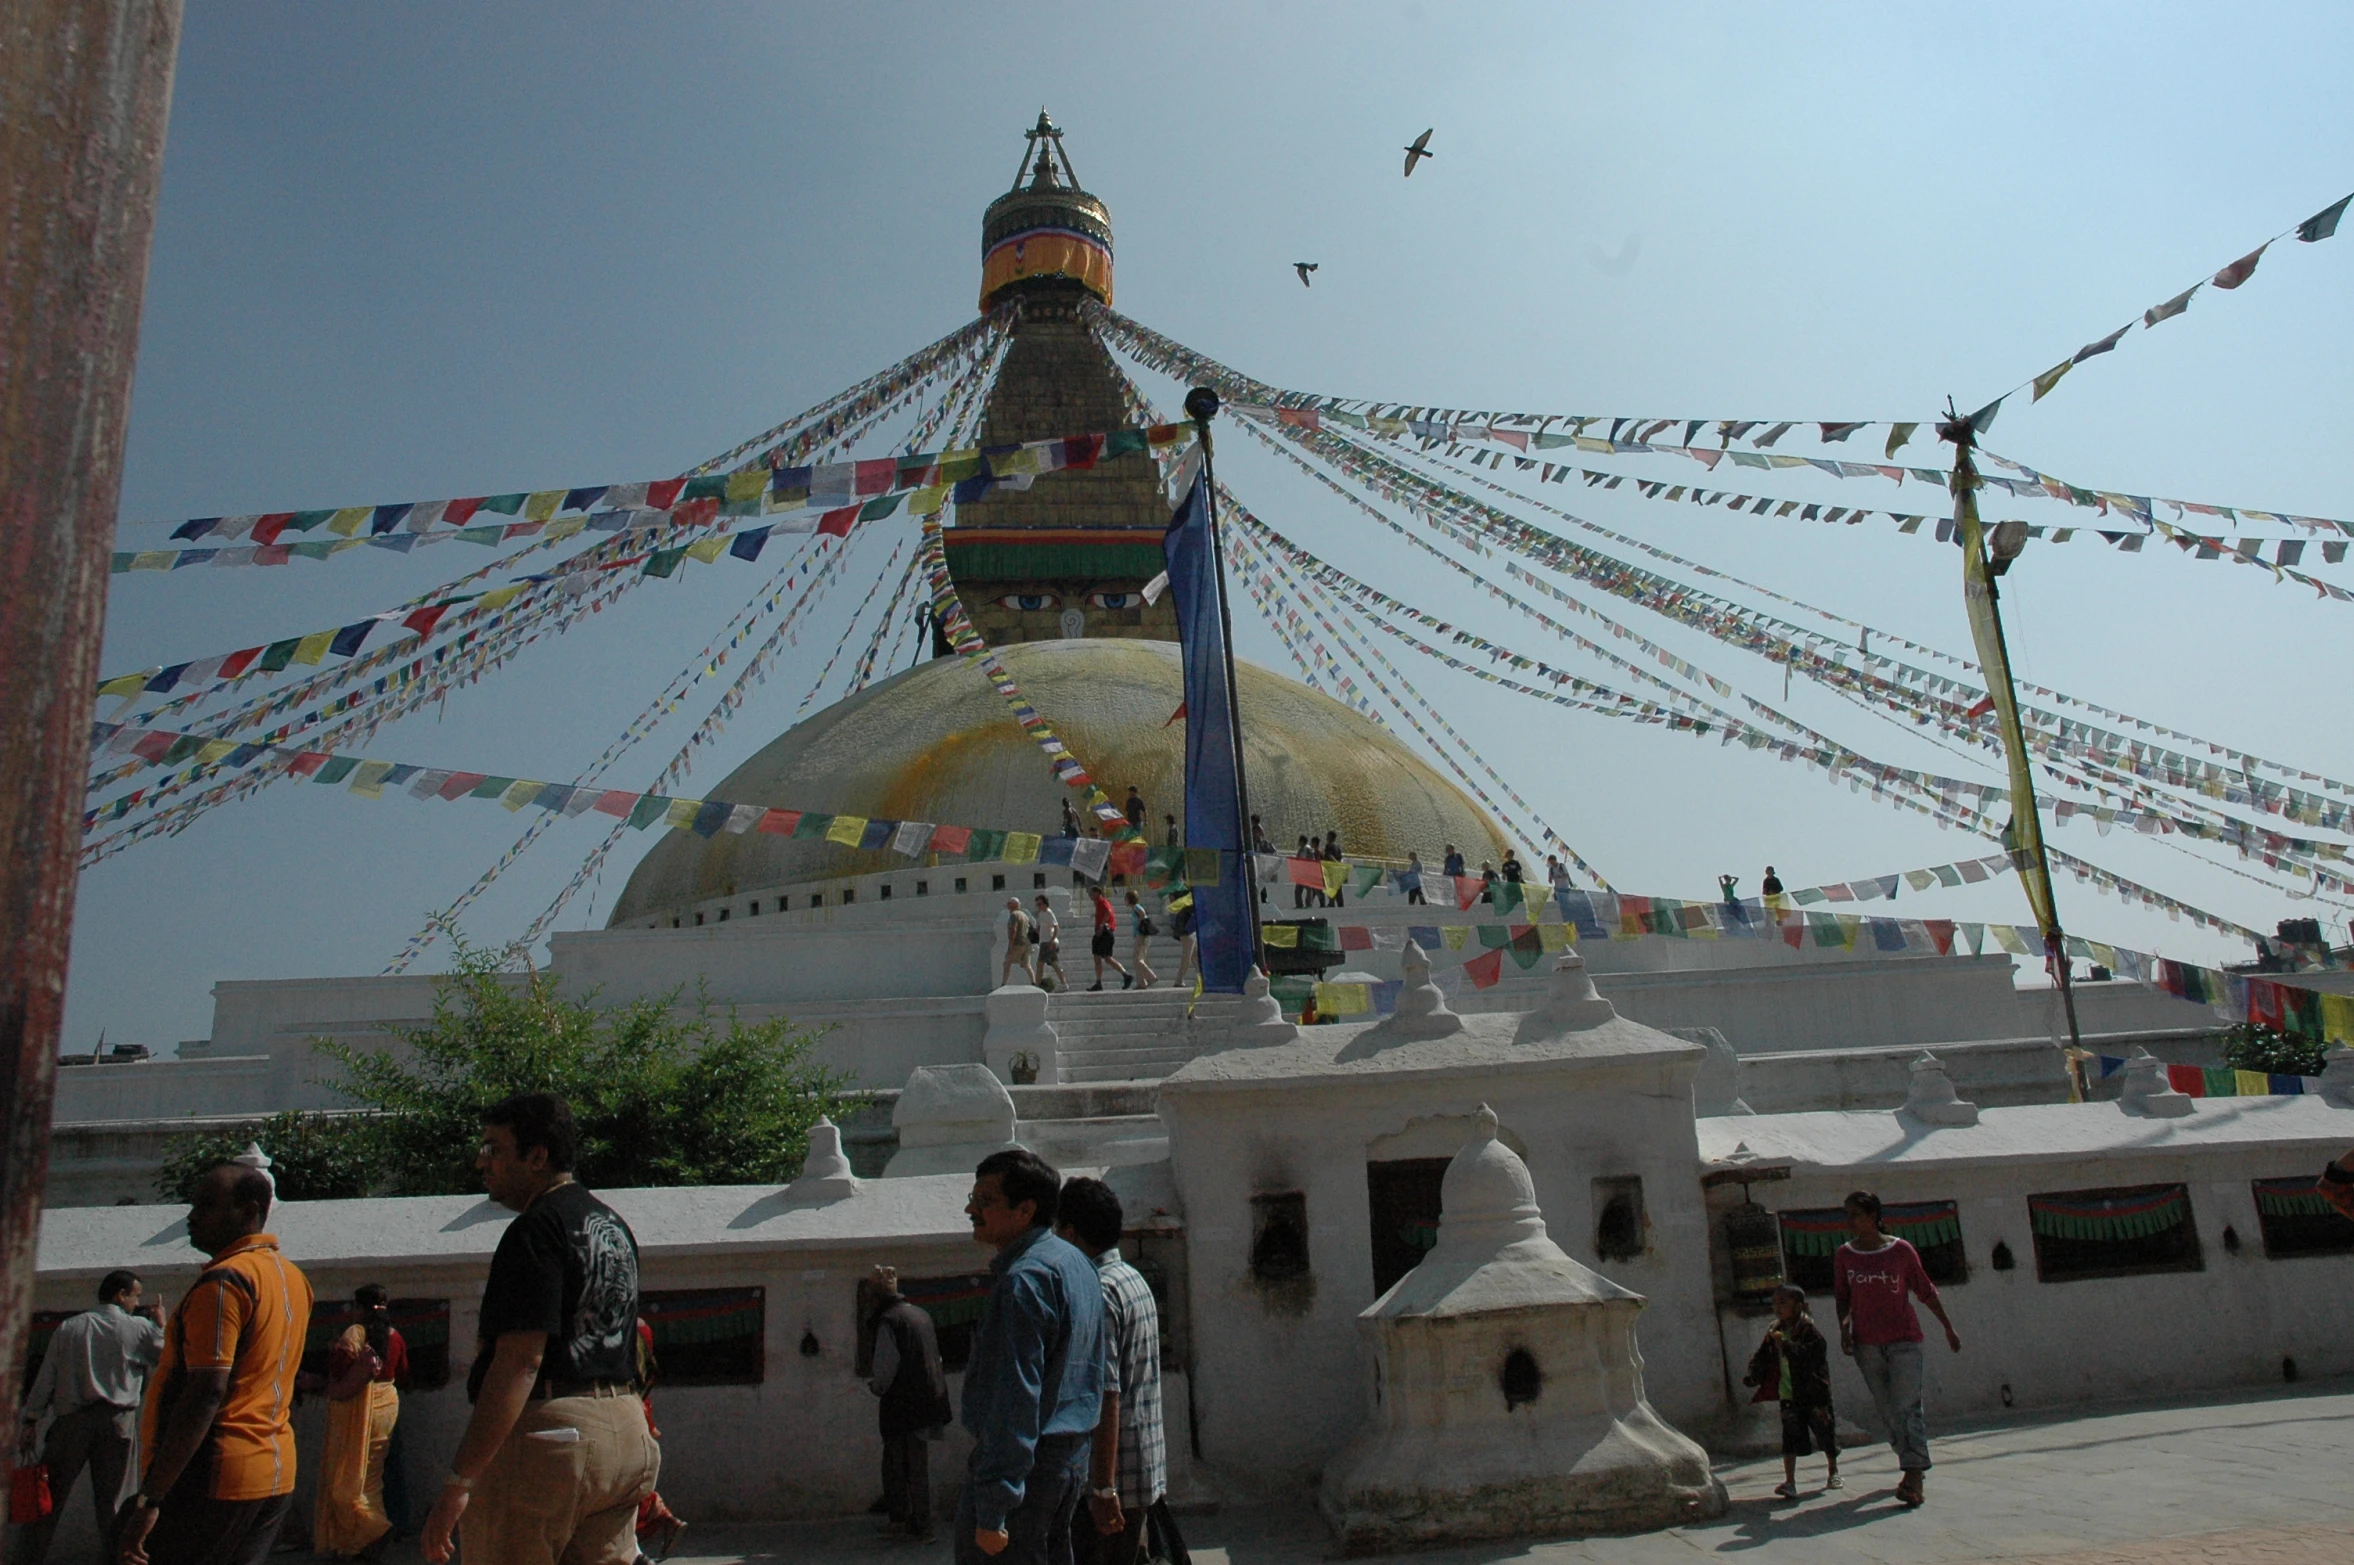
{"x": 217, "y": 1426}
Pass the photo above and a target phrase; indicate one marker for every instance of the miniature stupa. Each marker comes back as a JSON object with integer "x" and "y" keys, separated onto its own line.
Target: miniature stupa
{"x": 1508, "y": 1391}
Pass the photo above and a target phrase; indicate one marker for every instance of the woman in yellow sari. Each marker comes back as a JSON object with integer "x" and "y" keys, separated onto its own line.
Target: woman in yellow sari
{"x": 364, "y": 1371}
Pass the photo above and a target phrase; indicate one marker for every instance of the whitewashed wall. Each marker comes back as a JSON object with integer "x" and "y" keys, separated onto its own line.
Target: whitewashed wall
{"x": 2064, "y": 1344}
{"x": 1279, "y": 1372}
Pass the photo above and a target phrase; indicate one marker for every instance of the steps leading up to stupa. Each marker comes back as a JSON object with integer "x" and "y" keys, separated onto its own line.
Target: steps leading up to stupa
{"x": 1122, "y": 1035}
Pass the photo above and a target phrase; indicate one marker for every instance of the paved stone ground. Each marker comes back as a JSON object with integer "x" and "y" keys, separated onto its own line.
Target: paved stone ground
{"x": 2260, "y": 1481}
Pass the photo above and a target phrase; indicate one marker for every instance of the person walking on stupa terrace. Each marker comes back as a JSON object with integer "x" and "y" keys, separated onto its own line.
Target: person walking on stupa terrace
{"x": 1105, "y": 942}
{"x": 1033, "y": 1387}
{"x": 91, "y": 1379}
{"x": 1129, "y": 1463}
{"x": 1332, "y": 855}
{"x": 914, "y": 1406}
{"x": 366, "y": 1370}
{"x": 1875, "y": 1277}
{"x": 1019, "y": 935}
{"x": 1141, "y": 922}
{"x": 557, "y": 1454}
{"x": 657, "y": 1525}
{"x": 218, "y": 1426}
{"x": 1412, "y": 879}
{"x": 1046, "y": 941}
{"x": 1178, "y": 904}
{"x": 1792, "y": 1366}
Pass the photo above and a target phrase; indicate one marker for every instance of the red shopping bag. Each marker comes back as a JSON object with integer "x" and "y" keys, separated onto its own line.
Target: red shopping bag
{"x": 28, "y": 1495}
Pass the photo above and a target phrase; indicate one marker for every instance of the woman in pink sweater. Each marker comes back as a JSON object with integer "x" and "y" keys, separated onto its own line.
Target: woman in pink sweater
{"x": 1874, "y": 1280}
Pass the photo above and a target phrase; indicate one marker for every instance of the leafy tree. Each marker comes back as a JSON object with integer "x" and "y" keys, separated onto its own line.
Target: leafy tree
{"x": 313, "y": 1157}
{"x": 2250, "y": 1047}
{"x": 663, "y": 1096}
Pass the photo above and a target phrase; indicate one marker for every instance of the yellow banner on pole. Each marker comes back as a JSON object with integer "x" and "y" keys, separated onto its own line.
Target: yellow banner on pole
{"x": 2023, "y": 837}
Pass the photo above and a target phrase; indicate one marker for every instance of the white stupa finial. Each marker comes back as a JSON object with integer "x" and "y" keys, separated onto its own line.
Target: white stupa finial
{"x": 255, "y": 1158}
{"x": 1422, "y": 1006}
{"x": 825, "y": 1170}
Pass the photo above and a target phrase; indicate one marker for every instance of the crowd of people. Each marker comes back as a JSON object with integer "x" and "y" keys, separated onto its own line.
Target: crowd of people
{"x": 559, "y": 1459}
{"x": 1034, "y": 939}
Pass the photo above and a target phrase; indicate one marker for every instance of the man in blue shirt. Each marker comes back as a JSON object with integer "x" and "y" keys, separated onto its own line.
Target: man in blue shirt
{"x": 1033, "y": 1387}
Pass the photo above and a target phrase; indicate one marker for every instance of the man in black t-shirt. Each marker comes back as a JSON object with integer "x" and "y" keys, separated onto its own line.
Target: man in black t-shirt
{"x": 557, "y": 1455}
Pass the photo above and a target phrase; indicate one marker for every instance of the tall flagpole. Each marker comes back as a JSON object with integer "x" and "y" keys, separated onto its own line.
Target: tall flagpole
{"x": 1202, "y": 404}
{"x": 2023, "y": 837}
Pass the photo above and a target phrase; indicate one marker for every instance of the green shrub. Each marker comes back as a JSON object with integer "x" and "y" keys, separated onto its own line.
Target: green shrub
{"x": 664, "y": 1095}
{"x": 313, "y": 1157}
{"x": 2249, "y": 1047}
{"x": 692, "y": 1096}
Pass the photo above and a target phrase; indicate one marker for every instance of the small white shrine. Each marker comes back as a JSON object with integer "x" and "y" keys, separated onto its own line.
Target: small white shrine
{"x": 1507, "y": 1393}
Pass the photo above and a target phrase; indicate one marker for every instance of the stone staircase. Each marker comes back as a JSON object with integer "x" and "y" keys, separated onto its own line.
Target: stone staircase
{"x": 1121, "y": 1035}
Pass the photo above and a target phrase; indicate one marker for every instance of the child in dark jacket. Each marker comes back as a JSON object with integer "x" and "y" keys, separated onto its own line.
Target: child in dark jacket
{"x": 1792, "y": 1366}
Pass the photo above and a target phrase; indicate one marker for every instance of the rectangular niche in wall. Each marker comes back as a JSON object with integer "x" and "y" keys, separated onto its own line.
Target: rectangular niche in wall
{"x": 2298, "y": 1219}
{"x": 708, "y": 1336}
{"x": 1403, "y": 1197}
{"x": 424, "y": 1325}
{"x": 1279, "y": 1236}
{"x": 1621, "y": 1230}
{"x": 1810, "y": 1238}
{"x": 2120, "y": 1232}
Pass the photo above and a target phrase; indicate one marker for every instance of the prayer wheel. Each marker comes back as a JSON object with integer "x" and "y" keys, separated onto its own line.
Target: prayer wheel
{"x": 1755, "y": 1239}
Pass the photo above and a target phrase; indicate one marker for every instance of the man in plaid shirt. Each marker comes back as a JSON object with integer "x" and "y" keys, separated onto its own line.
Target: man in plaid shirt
{"x": 1129, "y": 1466}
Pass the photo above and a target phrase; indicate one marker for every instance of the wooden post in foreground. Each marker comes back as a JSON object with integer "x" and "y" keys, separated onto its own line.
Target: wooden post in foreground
{"x": 85, "y": 90}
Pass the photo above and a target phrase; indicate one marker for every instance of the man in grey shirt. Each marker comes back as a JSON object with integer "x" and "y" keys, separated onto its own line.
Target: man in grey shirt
{"x": 91, "y": 1380}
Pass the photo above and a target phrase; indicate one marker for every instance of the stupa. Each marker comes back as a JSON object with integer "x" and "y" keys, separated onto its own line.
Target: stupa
{"x": 1052, "y": 577}
{"x": 1508, "y": 1392}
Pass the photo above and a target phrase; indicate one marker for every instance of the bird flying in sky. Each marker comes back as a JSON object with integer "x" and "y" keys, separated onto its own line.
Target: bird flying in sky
{"x": 1416, "y": 151}
{"x": 1303, "y": 268}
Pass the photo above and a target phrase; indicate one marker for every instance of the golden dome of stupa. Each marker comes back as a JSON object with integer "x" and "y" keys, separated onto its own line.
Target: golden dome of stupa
{"x": 935, "y": 743}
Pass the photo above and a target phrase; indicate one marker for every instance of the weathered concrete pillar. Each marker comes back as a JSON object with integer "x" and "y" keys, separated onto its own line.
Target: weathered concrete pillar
{"x": 85, "y": 90}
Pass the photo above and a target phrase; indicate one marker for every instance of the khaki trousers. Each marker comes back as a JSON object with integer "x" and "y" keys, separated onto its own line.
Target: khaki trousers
{"x": 564, "y": 1489}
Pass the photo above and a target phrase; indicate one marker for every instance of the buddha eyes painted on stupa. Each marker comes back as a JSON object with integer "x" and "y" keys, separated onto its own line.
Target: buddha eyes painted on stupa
{"x": 1030, "y": 602}
{"x": 1115, "y": 600}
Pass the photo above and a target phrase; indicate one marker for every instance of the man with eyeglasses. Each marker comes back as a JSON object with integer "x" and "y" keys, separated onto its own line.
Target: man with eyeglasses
{"x": 1033, "y": 1388}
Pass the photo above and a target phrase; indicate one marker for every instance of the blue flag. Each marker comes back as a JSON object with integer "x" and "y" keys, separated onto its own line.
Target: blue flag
{"x": 1225, "y": 916}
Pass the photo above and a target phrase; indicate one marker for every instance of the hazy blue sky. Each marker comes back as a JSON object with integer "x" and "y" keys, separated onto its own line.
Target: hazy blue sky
{"x": 431, "y": 249}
